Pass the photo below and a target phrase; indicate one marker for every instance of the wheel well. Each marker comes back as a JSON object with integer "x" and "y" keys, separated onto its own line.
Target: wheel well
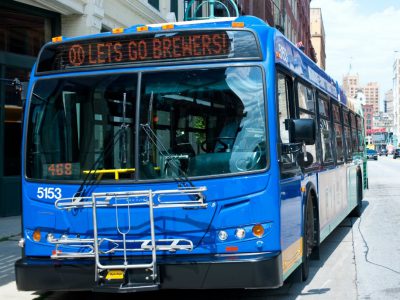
{"x": 314, "y": 201}
{"x": 360, "y": 189}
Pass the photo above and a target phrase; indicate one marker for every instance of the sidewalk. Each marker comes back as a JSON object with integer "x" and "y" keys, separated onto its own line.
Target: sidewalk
{"x": 10, "y": 226}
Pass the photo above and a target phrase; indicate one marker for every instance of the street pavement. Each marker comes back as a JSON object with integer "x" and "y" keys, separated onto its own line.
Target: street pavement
{"x": 10, "y": 232}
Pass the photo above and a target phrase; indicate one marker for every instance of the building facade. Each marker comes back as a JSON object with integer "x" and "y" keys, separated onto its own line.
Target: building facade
{"x": 388, "y": 102}
{"x": 351, "y": 84}
{"x": 371, "y": 92}
{"x": 318, "y": 36}
{"x": 291, "y": 17}
{"x": 25, "y": 26}
{"x": 368, "y": 111}
{"x": 396, "y": 101}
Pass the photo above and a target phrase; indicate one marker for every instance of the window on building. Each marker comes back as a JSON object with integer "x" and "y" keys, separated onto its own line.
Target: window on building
{"x": 155, "y": 3}
{"x": 22, "y": 33}
{"x": 175, "y": 8}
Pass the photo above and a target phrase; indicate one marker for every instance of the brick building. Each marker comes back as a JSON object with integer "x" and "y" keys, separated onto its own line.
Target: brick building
{"x": 291, "y": 17}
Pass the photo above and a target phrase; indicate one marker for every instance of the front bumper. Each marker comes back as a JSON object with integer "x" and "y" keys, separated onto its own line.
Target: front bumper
{"x": 261, "y": 270}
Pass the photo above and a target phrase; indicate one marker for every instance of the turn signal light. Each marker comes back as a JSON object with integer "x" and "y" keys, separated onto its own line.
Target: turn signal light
{"x": 37, "y": 235}
{"x": 258, "y": 230}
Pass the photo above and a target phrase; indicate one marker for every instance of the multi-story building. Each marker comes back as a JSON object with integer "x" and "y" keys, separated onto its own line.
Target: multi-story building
{"x": 368, "y": 110}
{"x": 371, "y": 92}
{"x": 25, "y": 25}
{"x": 396, "y": 101}
{"x": 388, "y": 102}
{"x": 318, "y": 36}
{"x": 351, "y": 84}
{"x": 291, "y": 17}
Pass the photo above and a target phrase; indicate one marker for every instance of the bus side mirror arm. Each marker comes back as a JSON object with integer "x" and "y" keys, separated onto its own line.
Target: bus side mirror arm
{"x": 302, "y": 132}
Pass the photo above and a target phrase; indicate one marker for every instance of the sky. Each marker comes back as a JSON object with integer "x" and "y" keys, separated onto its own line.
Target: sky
{"x": 361, "y": 37}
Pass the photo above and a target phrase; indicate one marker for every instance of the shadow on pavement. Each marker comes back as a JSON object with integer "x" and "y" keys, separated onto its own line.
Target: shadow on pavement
{"x": 8, "y": 256}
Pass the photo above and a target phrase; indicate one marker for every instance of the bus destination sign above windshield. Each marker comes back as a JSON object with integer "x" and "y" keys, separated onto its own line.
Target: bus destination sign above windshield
{"x": 150, "y": 48}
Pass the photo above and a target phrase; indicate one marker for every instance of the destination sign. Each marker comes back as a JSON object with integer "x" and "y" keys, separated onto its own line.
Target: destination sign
{"x": 150, "y": 47}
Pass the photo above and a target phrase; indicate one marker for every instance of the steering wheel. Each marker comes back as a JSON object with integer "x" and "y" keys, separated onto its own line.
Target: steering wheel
{"x": 250, "y": 163}
{"x": 217, "y": 140}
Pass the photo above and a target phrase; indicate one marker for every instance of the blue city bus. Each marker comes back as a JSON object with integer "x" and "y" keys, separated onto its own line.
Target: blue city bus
{"x": 190, "y": 155}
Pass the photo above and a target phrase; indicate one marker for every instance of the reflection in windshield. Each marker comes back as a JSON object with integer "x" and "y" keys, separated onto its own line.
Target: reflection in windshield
{"x": 77, "y": 123}
{"x": 210, "y": 120}
{"x": 207, "y": 121}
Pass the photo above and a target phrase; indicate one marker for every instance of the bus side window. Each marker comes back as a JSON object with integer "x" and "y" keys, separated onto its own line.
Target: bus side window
{"x": 306, "y": 105}
{"x": 354, "y": 138}
{"x": 347, "y": 134}
{"x": 338, "y": 129}
{"x": 325, "y": 129}
{"x": 284, "y": 85}
{"x": 360, "y": 128}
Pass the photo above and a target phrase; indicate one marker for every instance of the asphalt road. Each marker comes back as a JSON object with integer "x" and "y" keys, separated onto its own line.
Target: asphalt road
{"x": 360, "y": 260}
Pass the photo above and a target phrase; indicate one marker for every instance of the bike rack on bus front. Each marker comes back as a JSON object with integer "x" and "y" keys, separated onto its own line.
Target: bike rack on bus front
{"x": 188, "y": 197}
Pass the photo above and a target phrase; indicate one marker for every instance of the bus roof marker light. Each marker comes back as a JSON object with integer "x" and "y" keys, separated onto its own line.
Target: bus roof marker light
{"x": 142, "y": 28}
{"x": 118, "y": 30}
{"x": 237, "y": 24}
{"x": 57, "y": 39}
{"x": 167, "y": 26}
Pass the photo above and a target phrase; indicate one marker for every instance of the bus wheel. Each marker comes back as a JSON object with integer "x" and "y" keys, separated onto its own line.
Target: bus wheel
{"x": 308, "y": 237}
{"x": 357, "y": 211}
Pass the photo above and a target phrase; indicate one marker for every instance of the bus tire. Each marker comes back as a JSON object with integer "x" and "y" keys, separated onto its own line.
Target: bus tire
{"x": 357, "y": 211}
{"x": 308, "y": 237}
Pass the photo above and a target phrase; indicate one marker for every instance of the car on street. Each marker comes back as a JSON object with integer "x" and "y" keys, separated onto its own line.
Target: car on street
{"x": 383, "y": 151}
{"x": 396, "y": 153}
{"x": 372, "y": 154}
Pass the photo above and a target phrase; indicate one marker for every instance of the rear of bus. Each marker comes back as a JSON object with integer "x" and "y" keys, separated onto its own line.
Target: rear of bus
{"x": 148, "y": 163}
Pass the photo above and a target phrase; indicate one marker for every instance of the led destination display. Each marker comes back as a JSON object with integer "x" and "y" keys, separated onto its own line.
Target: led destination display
{"x": 150, "y": 47}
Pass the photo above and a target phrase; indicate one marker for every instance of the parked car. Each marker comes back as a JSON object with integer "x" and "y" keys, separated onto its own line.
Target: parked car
{"x": 383, "y": 151}
{"x": 372, "y": 154}
{"x": 396, "y": 153}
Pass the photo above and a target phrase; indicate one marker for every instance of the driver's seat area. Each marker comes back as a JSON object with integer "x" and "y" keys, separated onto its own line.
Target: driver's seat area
{"x": 227, "y": 136}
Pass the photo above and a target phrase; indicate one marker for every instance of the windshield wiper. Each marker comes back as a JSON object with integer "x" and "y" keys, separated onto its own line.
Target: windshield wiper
{"x": 89, "y": 182}
{"x": 181, "y": 176}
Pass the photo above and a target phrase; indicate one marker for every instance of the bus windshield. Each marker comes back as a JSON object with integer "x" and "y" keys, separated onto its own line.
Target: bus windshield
{"x": 207, "y": 121}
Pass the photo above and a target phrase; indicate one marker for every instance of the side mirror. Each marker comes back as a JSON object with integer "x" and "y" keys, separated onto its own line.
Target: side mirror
{"x": 302, "y": 131}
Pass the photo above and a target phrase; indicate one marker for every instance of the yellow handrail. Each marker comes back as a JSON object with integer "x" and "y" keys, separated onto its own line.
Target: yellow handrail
{"x": 115, "y": 171}
{"x": 109, "y": 171}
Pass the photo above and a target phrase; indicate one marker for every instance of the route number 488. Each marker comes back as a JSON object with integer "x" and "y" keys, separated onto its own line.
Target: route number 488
{"x": 49, "y": 193}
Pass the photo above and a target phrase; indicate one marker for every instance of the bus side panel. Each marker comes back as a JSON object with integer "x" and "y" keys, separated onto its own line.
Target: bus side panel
{"x": 291, "y": 218}
{"x": 333, "y": 198}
